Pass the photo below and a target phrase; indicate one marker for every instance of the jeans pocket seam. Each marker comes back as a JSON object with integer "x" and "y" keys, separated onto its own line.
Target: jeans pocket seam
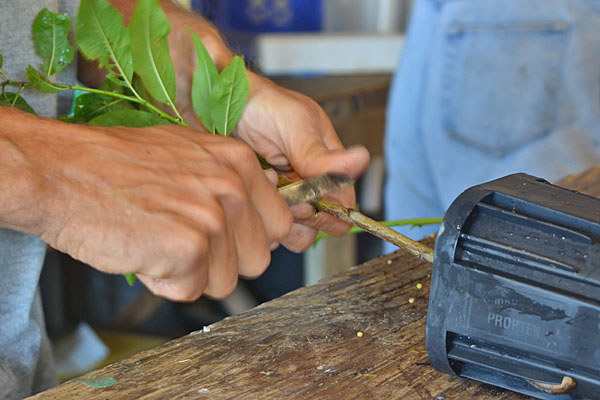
{"x": 551, "y": 36}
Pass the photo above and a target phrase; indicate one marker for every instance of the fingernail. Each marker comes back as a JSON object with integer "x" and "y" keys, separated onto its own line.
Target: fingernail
{"x": 357, "y": 148}
{"x": 271, "y": 175}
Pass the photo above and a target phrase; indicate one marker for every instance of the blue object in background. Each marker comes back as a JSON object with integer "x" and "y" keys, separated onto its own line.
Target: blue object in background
{"x": 262, "y": 15}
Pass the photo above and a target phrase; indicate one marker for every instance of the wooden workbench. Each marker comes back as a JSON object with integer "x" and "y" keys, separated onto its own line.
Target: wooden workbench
{"x": 353, "y": 335}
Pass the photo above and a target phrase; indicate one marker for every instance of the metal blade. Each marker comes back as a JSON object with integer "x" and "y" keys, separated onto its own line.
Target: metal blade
{"x": 307, "y": 190}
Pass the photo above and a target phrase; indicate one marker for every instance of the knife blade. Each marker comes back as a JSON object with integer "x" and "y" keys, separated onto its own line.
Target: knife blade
{"x": 310, "y": 189}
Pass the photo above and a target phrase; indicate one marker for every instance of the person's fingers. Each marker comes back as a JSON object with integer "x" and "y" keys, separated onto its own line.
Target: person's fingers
{"x": 317, "y": 159}
{"x": 256, "y": 213}
{"x": 184, "y": 275}
{"x": 269, "y": 204}
{"x": 271, "y": 175}
{"x": 323, "y": 221}
{"x": 206, "y": 255}
{"x": 350, "y": 163}
{"x": 247, "y": 228}
{"x": 223, "y": 258}
{"x": 185, "y": 289}
{"x": 300, "y": 238}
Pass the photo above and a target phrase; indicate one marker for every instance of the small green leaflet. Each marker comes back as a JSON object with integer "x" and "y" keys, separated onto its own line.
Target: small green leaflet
{"x": 50, "y": 32}
{"x": 101, "y": 36}
{"x": 40, "y": 82}
{"x": 131, "y": 118}
{"x": 130, "y": 278}
{"x": 90, "y": 105}
{"x": 7, "y": 99}
{"x": 0, "y": 60}
{"x": 204, "y": 77}
{"x": 229, "y": 96}
{"x": 152, "y": 61}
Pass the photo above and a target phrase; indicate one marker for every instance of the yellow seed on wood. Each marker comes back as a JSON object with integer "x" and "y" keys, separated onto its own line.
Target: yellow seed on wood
{"x": 359, "y": 334}
{"x": 388, "y": 262}
{"x": 419, "y": 286}
{"x": 411, "y": 300}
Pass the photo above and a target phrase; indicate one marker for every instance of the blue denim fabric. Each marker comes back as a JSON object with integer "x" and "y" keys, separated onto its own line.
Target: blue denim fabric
{"x": 26, "y": 363}
{"x": 486, "y": 88}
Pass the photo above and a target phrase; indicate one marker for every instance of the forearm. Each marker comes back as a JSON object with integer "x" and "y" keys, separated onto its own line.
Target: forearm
{"x": 23, "y": 193}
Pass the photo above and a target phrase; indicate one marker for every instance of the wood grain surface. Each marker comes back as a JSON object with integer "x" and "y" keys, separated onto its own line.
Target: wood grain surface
{"x": 356, "y": 335}
{"x": 587, "y": 182}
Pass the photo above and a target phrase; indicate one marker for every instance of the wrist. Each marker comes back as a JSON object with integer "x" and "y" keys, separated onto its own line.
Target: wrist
{"x": 258, "y": 83}
{"x": 23, "y": 184}
{"x": 181, "y": 19}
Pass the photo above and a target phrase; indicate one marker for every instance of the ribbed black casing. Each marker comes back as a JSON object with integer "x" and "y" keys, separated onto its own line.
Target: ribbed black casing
{"x": 515, "y": 292}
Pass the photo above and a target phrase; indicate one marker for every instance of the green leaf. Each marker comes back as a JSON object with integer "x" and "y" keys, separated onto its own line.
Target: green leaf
{"x": 7, "y": 99}
{"x": 39, "y": 81}
{"x": 130, "y": 118}
{"x": 229, "y": 96}
{"x": 50, "y": 32}
{"x": 0, "y": 60}
{"x": 130, "y": 278}
{"x": 139, "y": 87}
{"x": 69, "y": 119}
{"x": 101, "y": 36}
{"x": 152, "y": 61}
{"x": 204, "y": 77}
{"x": 90, "y": 105}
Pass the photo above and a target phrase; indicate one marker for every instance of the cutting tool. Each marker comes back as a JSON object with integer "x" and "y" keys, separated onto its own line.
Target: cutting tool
{"x": 311, "y": 190}
{"x": 308, "y": 190}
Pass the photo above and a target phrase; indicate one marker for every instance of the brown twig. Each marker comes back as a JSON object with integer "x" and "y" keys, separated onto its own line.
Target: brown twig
{"x": 375, "y": 228}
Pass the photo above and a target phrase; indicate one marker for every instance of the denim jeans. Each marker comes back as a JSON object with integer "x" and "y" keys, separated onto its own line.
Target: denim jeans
{"x": 26, "y": 364}
{"x": 486, "y": 88}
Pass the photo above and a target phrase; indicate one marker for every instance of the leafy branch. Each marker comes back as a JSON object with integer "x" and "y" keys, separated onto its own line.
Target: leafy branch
{"x": 140, "y": 76}
{"x": 139, "y": 69}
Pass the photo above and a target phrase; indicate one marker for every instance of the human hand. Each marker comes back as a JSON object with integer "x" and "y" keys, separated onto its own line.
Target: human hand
{"x": 288, "y": 129}
{"x": 291, "y": 132}
{"x": 186, "y": 211}
{"x": 295, "y": 136}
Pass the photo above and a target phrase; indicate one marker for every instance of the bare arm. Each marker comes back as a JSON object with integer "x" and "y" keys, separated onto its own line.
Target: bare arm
{"x": 24, "y": 192}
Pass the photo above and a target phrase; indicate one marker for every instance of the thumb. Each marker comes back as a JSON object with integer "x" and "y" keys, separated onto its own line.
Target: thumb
{"x": 350, "y": 162}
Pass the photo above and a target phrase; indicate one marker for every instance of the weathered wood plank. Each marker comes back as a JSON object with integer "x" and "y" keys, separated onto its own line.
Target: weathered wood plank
{"x": 305, "y": 345}
{"x": 586, "y": 182}
{"x": 302, "y": 345}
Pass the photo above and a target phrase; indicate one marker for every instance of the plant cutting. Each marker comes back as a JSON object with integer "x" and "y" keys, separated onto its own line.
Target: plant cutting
{"x": 140, "y": 73}
{"x": 139, "y": 89}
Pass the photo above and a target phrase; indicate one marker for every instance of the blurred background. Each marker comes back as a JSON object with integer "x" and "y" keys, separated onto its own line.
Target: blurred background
{"x": 342, "y": 53}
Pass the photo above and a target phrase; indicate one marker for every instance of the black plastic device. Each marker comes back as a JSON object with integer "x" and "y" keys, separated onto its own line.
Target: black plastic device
{"x": 515, "y": 291}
